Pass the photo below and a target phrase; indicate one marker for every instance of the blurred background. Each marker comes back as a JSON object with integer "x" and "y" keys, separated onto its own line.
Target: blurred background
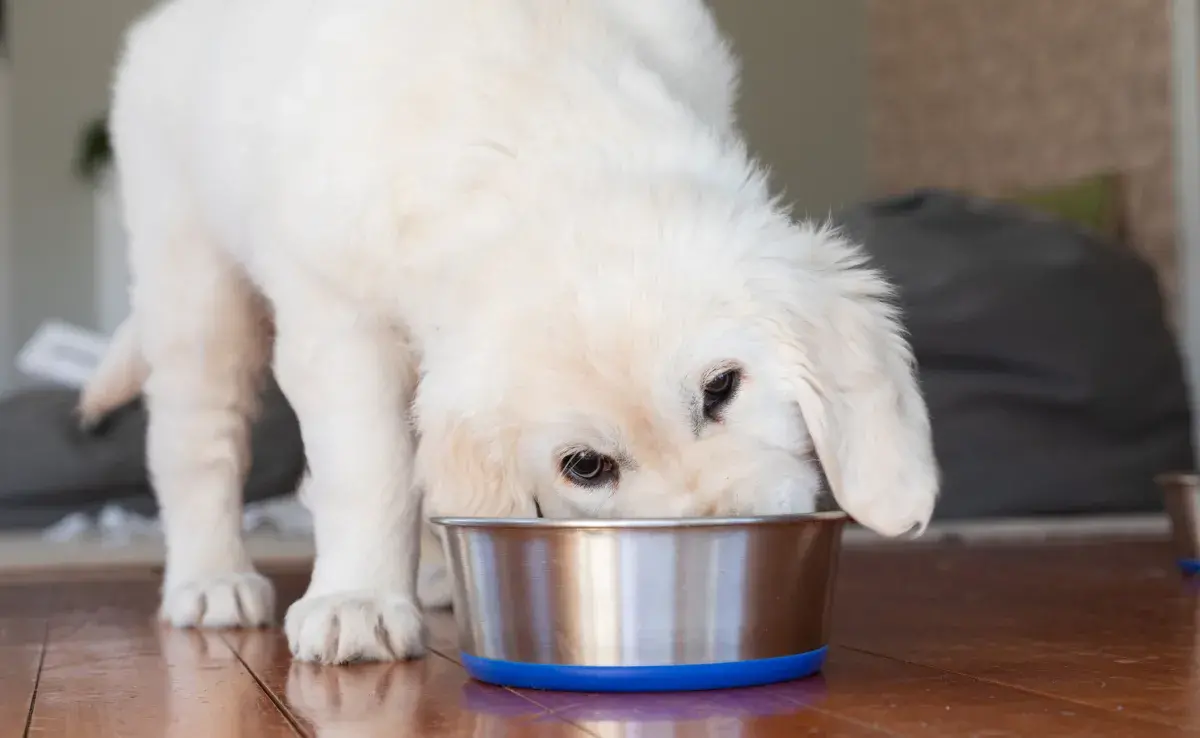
{"x": 1025, "y": 170}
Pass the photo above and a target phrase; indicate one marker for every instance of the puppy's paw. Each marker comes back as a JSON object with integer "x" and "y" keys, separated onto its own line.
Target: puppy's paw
{"x": 902, "y": 510}
{"x": 343, "y": 627}
{"x": 435, "y": 588}
{"x": 238, "y": 600}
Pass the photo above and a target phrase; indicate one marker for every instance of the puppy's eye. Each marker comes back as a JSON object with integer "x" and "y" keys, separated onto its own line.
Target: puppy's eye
{"x": 589, "y": 469}
{"x": 719, "y": 390}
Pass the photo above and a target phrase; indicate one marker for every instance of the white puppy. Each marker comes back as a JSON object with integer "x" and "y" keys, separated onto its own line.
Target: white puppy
{"x": 543, "y": 211}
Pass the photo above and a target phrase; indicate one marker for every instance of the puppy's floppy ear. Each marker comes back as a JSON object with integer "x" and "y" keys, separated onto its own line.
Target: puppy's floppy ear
{"x": 852, "y": 372}
{"x": 466, "y": 469}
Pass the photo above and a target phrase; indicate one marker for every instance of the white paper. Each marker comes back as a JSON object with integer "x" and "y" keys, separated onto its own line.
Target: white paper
{"x": 62, "y": 353}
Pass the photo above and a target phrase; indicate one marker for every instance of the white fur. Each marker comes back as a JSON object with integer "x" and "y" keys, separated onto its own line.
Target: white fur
{"x": 542, "y": 209}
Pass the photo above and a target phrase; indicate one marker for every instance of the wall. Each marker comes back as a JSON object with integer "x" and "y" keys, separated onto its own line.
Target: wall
{"x": 1185, "y": 89}
{"x": 62, "y": 56}
{"x": 804, "y": 94}
{"x": 8, "y": 340}
{"x": 112, "y": 277}
{"x": 990, "y": 95}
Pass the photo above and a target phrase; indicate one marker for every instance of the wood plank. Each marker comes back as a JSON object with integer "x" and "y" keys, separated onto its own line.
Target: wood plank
{"x": 23, "y": 611}
{"x": 1112, "y": 627}
{"x": 907, "y": 699}
{"x": 857, "y": 694}
{"x": 423, "y": 698}
{"x": 1089, "y": 640}
{"x": 19, "y": 666}
{"x": 110, "y": 670}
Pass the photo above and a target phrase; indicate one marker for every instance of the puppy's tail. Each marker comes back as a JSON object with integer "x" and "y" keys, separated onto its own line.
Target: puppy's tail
{"x": 118, "y": 380}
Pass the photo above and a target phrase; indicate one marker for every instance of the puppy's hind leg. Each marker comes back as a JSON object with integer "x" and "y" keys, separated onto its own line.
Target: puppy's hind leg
{"x": 203, "y": 338}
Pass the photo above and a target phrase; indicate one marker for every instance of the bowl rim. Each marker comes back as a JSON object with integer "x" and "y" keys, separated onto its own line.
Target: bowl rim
{"x": 828, "y": 516}
{"x": 1175, "y": 479}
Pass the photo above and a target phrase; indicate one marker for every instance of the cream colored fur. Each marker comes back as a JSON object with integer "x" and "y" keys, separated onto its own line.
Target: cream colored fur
{"x": 119, "y": 378}
{"x": 512, "y": 229}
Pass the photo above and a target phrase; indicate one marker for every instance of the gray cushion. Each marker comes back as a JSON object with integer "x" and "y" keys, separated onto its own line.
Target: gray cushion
{"x": 50, "y": 468}
{"x": 1053, "y": 379}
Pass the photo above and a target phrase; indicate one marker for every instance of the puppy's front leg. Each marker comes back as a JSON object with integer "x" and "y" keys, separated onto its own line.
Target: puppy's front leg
{"x": 349, "y": 379}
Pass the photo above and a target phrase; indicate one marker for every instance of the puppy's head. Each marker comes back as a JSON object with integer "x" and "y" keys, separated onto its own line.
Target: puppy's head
{"x": 687, "y": 359}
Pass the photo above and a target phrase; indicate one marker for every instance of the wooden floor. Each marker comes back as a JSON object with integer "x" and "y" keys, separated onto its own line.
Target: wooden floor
{"x": 1082, "y": 640}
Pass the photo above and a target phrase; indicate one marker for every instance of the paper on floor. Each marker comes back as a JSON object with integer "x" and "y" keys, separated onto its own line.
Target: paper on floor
{"x": 116, "y": 526}
{"x": 62, "y": 353}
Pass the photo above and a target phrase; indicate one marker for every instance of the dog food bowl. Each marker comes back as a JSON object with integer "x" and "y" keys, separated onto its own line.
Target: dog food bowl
{"x": 1181, "y": 496}
{"x": 643, "y": 605}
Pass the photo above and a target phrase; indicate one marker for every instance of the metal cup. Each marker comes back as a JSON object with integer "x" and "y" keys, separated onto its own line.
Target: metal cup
{"x": 643, "y": 593}
{"x": 1181, "y": 496}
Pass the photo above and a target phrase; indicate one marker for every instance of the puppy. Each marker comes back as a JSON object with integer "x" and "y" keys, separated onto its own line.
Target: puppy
{"x": 527, "y": 231}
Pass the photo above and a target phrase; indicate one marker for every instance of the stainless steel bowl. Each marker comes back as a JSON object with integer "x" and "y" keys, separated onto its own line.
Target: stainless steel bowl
{"x": 613, "y": 595}
{"x": 1181, "y": 496}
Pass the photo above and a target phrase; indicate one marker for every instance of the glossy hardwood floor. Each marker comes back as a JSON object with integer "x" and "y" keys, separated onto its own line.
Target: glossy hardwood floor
{"x": 1051, "y": 640}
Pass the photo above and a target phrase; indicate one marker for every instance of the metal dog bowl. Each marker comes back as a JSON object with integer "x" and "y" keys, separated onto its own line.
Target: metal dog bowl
{"x": 643, "y": 605}
{"x": 1181, "y": 496}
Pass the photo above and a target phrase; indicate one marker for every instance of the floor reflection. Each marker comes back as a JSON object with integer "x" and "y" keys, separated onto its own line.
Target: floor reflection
{"x": 209, "y": 684}
{"x": 366, "y": 700}
{"x": 666, "y": 715}
{"x": 415, "y": 698}
{"x": 208, "y": 690}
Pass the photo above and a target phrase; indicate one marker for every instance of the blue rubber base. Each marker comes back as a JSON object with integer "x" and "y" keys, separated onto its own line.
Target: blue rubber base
{"x": 681, "y": 678}
{"x": 1189, "y": 566}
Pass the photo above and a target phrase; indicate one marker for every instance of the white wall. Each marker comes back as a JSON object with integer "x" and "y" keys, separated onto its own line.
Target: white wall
{"x": 804, "y": 99}
{"x": 112, "y": 276}
{"x": 8, "y": 340}
{"x": 1185, "y": 40}
{"x": 62, "y": 57}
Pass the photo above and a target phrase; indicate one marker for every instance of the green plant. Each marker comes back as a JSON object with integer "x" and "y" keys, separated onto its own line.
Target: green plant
{"x": 94, "y": 154}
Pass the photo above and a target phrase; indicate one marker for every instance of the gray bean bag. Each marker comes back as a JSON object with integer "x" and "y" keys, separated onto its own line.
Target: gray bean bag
{"x": 50, "y": 468}
{"x": 1053, "y": 380}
